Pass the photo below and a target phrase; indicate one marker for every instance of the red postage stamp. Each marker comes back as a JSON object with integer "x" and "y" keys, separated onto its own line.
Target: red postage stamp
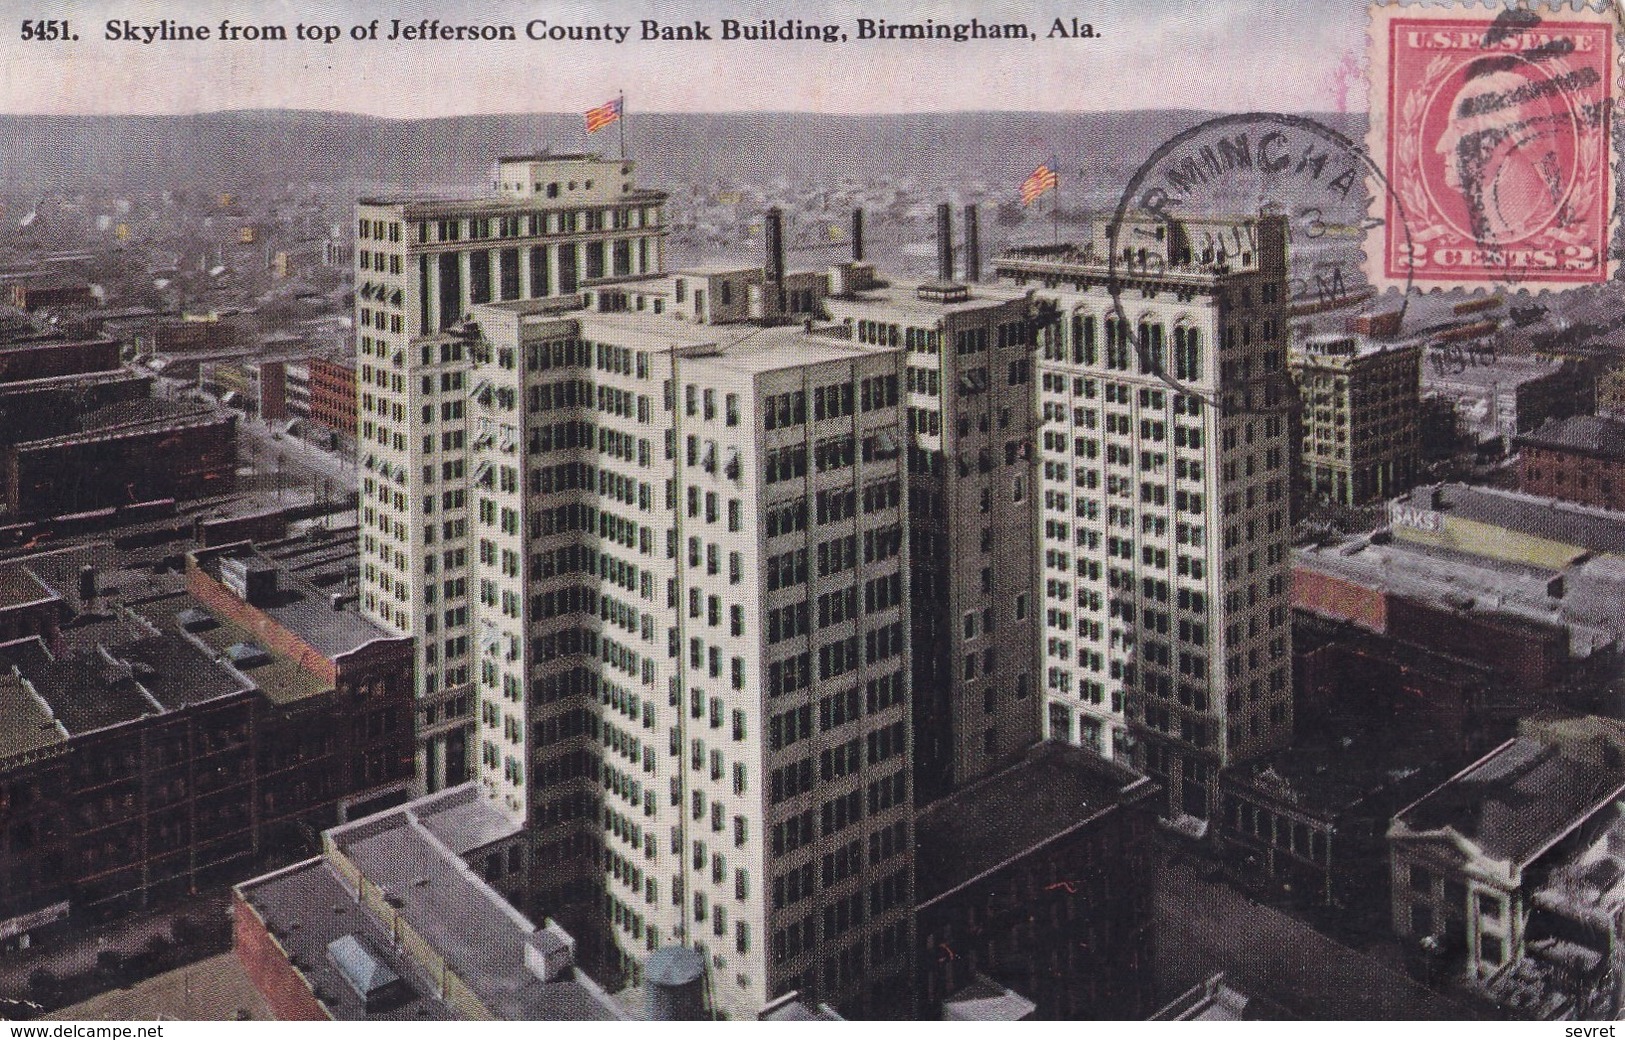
{"x": 1494, "y": 131}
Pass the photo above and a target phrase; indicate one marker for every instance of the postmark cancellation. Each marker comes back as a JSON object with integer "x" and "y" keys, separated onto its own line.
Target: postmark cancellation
{"x": 1493, "y": 126}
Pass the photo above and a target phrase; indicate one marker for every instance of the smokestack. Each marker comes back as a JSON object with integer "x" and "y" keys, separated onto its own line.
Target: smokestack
{"x": 945, "y": 243}
{"x": 857, "y": 235}
{"x": 973, "y": 247}
{"x": 774, "y": 273}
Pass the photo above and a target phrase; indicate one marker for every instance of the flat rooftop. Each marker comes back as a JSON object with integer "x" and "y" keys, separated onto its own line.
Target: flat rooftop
{"x": 26, "y": 723}
{"x": 743, "y": 347}
{"x": 217, "y": 989}
{"x": 281, "y": 679}
{"x": 134, "y": 418}
{"x": 74, "y": 381}
{"x": 307, "y": 907}
{"x": 903, "y": 297}
{"x": 1598, "y": 530}
{"x": 129, "y": 671}
{"x": 432, "y": 207}
{"x": 20, "y": 587}
{"x": 1332, "y": 348}
{"x": 1586, "y": 434}
{"x": 329, "y": 562}
{"x": 48, "y": 341}
{"x": 482, "y": 938}
{"x": 299, "y": 604}
{"x": 1054, "y": 789}
{"x": 127, "y": 654}
{"x": 1503, "y": 374}
{"x": 1513, "y": 594}
{"x": 1338, "y": 769}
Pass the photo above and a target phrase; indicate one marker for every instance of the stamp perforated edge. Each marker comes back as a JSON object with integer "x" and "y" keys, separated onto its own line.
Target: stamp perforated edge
{"x": 1380, "y": 15}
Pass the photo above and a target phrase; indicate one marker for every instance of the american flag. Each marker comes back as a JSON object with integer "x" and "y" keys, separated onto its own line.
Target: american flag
{"x": 1037, "y": 183}
{"x": 603, "y": 115}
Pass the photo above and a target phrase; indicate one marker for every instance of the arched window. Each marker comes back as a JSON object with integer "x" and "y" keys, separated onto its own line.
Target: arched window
{"x": 1151, "y": 348}
{"x": 1187, "y": 353}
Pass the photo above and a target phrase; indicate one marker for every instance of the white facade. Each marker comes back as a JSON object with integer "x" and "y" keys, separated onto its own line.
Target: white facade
{"x": 690, "y": 626}
{"x": 420, "y": 266}
{"x": 1164, "y": 527}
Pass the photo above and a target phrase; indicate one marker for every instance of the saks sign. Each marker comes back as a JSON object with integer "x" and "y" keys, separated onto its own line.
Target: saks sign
{"x": 1415, "y": 518}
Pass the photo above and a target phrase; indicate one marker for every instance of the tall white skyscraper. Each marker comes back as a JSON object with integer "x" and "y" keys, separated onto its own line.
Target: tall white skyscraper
{"x": 1164, "y": 402}
{"x": 690, "y": 634}
{"x": 550, "y": 224}
{"x": 650, "y": 532}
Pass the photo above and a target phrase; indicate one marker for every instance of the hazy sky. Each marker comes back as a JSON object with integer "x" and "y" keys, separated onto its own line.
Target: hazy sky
{"x": 1229, "y": 55}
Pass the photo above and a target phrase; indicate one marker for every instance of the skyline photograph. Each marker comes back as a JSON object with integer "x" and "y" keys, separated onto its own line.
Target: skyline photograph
{"x": 695, "y": 512}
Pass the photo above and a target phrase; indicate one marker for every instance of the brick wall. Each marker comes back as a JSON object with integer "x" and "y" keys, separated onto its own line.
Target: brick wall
{"x": 224, "y": 603}
{"x": 266, "y": 963}
{"x": 1334, "y": 597}
{"x": 1527, "y": 654}
{"x": 1572, "y": 477}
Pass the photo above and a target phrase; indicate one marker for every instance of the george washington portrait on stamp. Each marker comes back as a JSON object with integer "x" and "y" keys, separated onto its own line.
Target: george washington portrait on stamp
{"x": 1494, "y": 131}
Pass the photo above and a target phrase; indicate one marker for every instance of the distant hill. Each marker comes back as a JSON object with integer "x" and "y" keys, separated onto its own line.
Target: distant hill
{"x": 263, "y": 149}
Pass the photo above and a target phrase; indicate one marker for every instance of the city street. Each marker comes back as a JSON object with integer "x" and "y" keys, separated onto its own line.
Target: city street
{"x": 303, "y": 465}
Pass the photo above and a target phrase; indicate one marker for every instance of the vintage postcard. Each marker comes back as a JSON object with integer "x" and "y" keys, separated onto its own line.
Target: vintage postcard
{"x": 696, "y": 511}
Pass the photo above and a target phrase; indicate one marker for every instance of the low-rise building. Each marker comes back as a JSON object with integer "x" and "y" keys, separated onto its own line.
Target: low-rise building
{"x": 332, "y": 390}
{"x": 1508, "y": 526}
{"x": 188, "y": 335}
{"x": 1574, "y": 942}
{"x": 131, "y": 451}
{"x": 1038, "y": 878}
{"x": 392, "y": 922}
{"x": 175, "y": 732}
{"x": 1579, "y": 459}
{"x": 1611, "y": 391}
{"x": 1501, "y": 396}
{"x": 1308, "y": 823}
{"x": 1501, "y": 616}
{"x": 1485, "y": 867}
{"x": 1342, "y": 671}
{"x": 42, "y": 358}
{"x": 257, "y": 387}
{"x": 58, "y": 295}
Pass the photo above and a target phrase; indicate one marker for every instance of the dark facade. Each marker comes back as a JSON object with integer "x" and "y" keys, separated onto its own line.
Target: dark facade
{"x": 41, "y": 297}
{"x": 1527, "y": 655}
{"x": 972, "y": 537}
{"x": 29, "y": 607}
{"x": 1341, "y": 671}
{"x": 1581, "y": 460}
{"x": 42, "y": 359}
{"x": 1039, "y": 877}
{"x": 186, "y": 337}
{"x": 171, "y": 454}
{"x": 1309, "y": 823}
{"x": 34, "y": 408}
{"x": 164, "y": 745}
{"x": 1569, "y": 391}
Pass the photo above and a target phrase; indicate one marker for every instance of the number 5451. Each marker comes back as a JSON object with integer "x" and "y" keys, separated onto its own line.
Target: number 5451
{"x": 46, "y": 29}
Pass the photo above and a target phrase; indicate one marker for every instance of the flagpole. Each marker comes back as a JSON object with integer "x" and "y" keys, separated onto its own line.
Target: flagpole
{"x": 1055, "y": 199}
{"x": 622, "y": 121}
